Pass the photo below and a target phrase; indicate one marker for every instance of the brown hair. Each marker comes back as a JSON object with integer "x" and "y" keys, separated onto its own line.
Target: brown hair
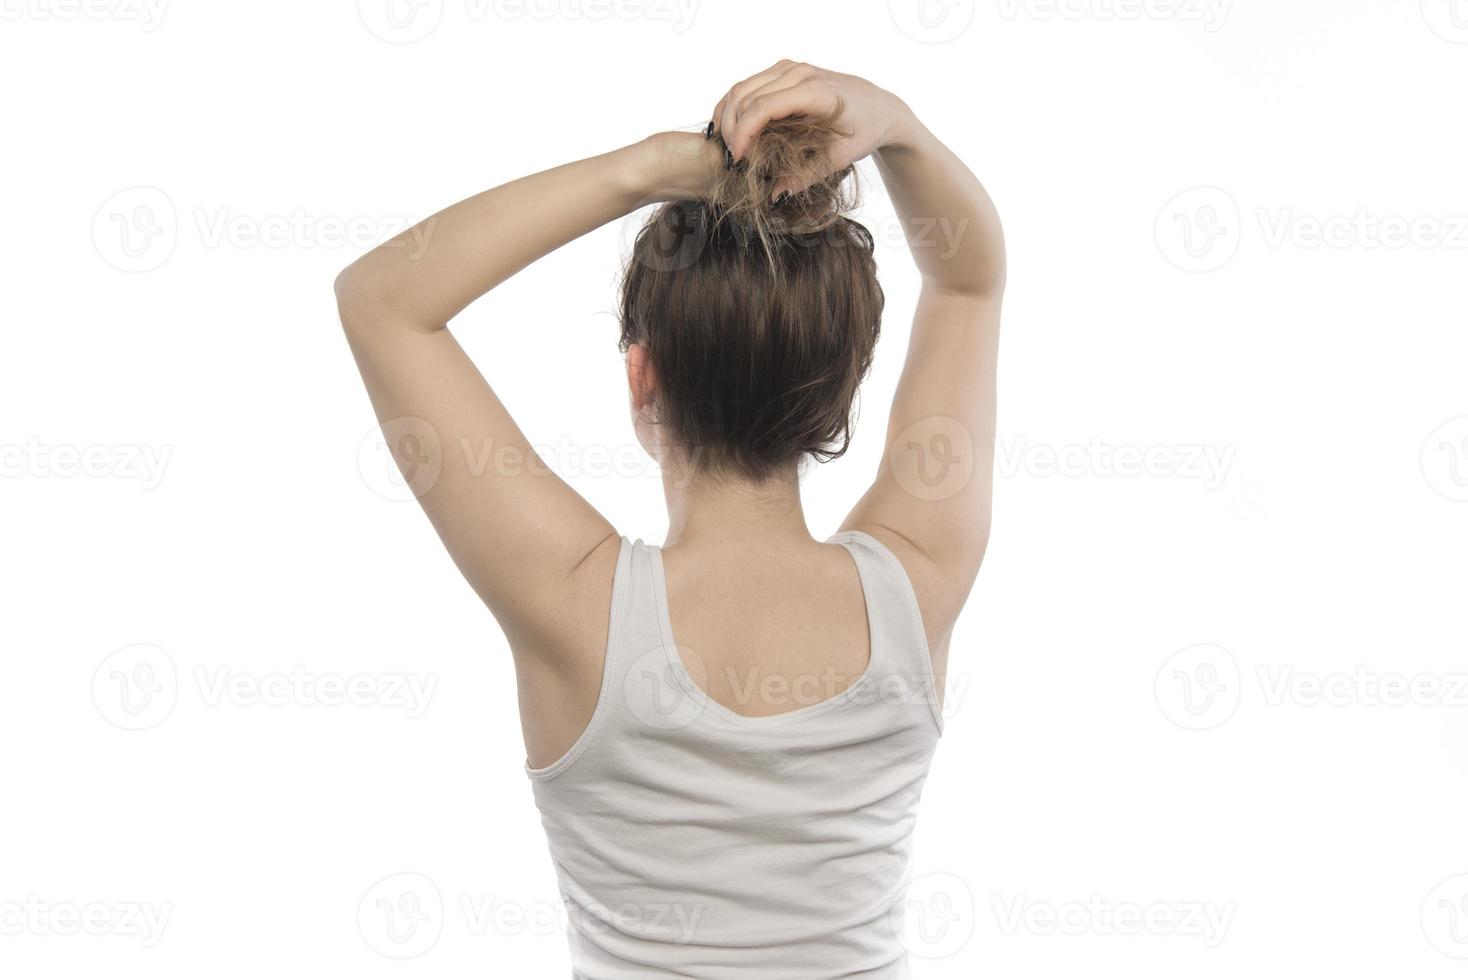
{"x": 759, "y": 319}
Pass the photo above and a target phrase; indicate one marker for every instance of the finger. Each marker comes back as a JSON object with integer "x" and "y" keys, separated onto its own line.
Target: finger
{"x": 787, "y": 80}
{"x": 724, "y": 118}
{"x": 813, "y": 99}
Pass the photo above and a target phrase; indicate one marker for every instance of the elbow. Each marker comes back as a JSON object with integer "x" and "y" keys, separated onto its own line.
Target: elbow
{"x": 346, "y": 290}
{"x": 359, "y": 305}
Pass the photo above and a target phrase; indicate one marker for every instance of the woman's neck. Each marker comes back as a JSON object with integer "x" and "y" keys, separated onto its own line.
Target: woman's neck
{"x": 731, "y": 510}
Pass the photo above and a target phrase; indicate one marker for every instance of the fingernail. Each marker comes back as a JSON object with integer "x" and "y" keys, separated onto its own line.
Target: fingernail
{"x": 728, "y": 159}
{"x": 708, "y": 134}
{"x": 780, "y": 198}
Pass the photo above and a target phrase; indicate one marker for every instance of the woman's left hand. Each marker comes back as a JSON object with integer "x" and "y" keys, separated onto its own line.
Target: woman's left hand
{"x": 870, "y": 116}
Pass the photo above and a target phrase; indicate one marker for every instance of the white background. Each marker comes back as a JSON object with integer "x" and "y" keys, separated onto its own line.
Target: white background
{"x": 1175, "y": 692}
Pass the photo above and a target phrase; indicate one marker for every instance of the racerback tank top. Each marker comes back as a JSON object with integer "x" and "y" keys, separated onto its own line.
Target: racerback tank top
{"x": 692, "y": 841}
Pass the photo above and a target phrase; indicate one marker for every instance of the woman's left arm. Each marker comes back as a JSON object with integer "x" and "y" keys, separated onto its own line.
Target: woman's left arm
{"x": 516, "y": 530}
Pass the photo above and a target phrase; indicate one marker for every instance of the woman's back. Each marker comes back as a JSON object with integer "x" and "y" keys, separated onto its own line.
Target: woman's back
{"x": 693, "y": 836}
{"x": 729, "y": 738}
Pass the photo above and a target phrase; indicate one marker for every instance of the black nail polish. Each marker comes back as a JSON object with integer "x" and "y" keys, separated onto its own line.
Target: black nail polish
{"x": 780, "y": 198}
{"x": 708, "y": 134}
{"x": 728, "y": 159}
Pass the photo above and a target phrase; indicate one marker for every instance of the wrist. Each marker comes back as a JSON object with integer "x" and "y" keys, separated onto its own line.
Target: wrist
{"x": 672, "y": 166}
{"x": 904, "y": 129}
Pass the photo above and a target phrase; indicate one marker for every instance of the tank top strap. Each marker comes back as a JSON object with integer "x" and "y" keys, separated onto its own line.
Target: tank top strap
{"x": 645, "y": 684}
{"x": 633, "y": 667}
{"x": 899, "y": 640}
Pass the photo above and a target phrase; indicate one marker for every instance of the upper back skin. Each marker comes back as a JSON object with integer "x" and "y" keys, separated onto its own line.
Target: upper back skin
{"x": 762, "y": 630}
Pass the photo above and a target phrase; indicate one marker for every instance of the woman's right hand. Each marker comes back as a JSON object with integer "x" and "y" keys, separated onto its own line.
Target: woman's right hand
{"x": 871, "y": 117}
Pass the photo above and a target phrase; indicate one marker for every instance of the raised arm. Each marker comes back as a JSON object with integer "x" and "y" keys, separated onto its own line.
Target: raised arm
{"x": 935, "y": 486}
{"x": 516, "y": 530}
{"x": 931, "y": 498}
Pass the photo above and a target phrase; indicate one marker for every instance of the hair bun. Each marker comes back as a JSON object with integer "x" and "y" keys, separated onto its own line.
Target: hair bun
{"x": 796, "y": 149}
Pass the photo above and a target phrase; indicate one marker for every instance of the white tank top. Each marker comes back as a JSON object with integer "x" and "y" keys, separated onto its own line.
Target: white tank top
{"x": 692, "y": 841}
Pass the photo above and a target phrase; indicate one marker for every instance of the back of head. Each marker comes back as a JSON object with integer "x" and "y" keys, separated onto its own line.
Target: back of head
{"x": 758, "y": 319}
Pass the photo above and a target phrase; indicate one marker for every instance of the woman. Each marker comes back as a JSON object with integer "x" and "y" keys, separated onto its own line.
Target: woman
{"x": 728, "y": 735}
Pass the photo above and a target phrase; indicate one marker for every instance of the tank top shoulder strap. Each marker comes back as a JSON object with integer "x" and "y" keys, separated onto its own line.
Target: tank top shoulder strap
{"x": 899, "y": 638}
{"x": 633, "y": 631}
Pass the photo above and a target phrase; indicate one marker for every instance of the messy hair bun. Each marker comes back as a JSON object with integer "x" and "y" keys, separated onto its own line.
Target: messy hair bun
{"x": 757, "y": 319}
{"x": 793, "y": 152}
